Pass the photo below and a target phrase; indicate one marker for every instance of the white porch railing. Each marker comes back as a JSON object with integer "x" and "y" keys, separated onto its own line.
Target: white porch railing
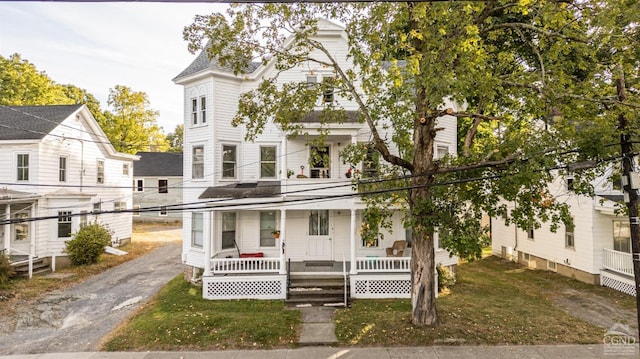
{"x": 383, "y": 264}
{"x": 245, "y": 265}
{"x": 616, "y": 261}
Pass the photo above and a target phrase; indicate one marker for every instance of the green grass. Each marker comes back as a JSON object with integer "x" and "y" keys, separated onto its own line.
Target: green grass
{"x": 179, "y": 318}
{"x": 494, "y": 302}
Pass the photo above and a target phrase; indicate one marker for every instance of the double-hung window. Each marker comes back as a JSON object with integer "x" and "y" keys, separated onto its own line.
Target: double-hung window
{"x": 228, "y": 230}
{"x": 163, "y": 186}
{"x": 267, "y": 161}
{"x": 197, "y": 165}
{"x": 229, "y": 158}
{"x": 62, "y": 169}
{"x": 194, "y": 111}
{"x": 197, "y": 229}
{"x": 267, "y": 226}
{"x": 23, "y": 167}
{"x": 64, "y": 224}
{"x": 203, "y": 110}
{"x": 100, "y": 172}
{"x": 621, "y": 236}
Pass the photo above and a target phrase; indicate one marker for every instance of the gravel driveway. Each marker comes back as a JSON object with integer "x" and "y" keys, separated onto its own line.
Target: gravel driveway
{"x": 77, "y": 318}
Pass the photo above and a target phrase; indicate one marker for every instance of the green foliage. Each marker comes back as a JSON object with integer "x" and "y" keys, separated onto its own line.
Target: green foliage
{"x": 86, "y": 245}
{"x": 7, "y": 271}
{"x": 446, "y": 278}
{"x": 176, "y": 139}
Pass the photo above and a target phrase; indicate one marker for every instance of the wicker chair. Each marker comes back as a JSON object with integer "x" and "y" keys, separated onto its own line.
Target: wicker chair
{"x": 397, "y": 249}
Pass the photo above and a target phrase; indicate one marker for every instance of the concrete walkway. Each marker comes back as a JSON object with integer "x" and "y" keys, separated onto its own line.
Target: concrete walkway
{"x": 318, "y": 327}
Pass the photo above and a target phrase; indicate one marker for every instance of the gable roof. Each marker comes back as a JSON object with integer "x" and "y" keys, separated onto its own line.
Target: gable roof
{"x": 32, "y": 122}
{"x": 158, "y": 164}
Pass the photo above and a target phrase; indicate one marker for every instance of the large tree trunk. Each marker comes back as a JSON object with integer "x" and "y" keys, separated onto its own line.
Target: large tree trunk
{"x": 423, "y": 298}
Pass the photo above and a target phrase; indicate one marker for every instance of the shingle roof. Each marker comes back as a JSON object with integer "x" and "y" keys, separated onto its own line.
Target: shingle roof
{"x": 32, "y": 122}
{"x": 158, "y": 164}
{"x": 260, "y": 189}
{"x": 202, "y": 62}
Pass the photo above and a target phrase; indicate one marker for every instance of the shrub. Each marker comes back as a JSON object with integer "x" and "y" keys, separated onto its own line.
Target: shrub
{"x": 87, "y": 244}
{"x": 446, "y": 278}
{"x": 7, "y": 271}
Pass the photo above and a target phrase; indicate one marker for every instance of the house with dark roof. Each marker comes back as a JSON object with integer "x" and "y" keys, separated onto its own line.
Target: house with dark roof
{"x": 58, "y": 172}
{"x": 281, "y": 205}
{"x": 157, "y": 187}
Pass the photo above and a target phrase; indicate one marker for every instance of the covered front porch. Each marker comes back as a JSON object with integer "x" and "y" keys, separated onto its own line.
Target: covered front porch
{"x": 617, "y": 271}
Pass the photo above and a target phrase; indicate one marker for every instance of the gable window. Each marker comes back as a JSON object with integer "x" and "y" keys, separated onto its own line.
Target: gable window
{"x": 327, "y": 89}
{"x": 197, "y": 230}
{"x": 194, "y": 111}
{"x": 621, "y": 236}
{"x": 319, "y": 223}
{"x": 163, "y": 186}
{"x": 267, "y": 162}
{"x": 267, "y": 226}
{"x": 163, "y": 211}
{"x": 23, "y": 167}
{"x": 203, "y": 109}
{"x": 62, "y": 169}
{"x": 138, "y": 185}
{"x": 228, "y": 230}
{"x": 228, "y": 161}
{"x": 64, "y": 224}
{"x": 100, "y": 171}
{"x": 569, "y": 239}
{"x": 197, "y": 165}
{"x": 125, "y": 169}
{"x": 319, "y": 162}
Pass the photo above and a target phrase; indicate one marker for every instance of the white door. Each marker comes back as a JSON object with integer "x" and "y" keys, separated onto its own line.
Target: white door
{"x": 320, "y": 244}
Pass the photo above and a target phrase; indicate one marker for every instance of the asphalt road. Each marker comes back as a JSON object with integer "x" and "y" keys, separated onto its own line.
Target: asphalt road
{"x": 77, "y": 318}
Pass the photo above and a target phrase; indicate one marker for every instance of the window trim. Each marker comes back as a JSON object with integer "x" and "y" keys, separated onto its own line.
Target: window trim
{"x": 22, "y": 170}
{"x": 165, "y": 187}
{"x": 194, "y": 111}
{"x": 569, "y": 237}
{"x": 234, "y": 231}
{"x": 223, "y": 173}
{"x": 195, "y": 230}
{"x": 198, "y": 163}
{"x": 100, "y": 176}
{"x": 136, "y": 210}
{"x": 203, "y": 109}
{"x": 138, "y": 185}
{"x": 269, "y": 236}
{"x": 64, "y": 219}
{"x": 125, "y": 169}
{"x": 275, "y": 161}
{"x": 62, "y": 169}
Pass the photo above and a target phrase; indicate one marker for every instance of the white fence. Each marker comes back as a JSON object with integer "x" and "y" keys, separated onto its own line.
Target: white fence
{"x": 616, "y": 261}
{"x": 383, "y": 264}
{"x": 245, "y": 265}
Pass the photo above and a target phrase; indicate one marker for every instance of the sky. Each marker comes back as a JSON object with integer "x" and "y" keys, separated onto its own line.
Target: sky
{"x": 96, "y": 46}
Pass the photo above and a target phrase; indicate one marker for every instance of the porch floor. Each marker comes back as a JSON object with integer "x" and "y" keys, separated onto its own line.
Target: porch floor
{"x": 318, "y": 266}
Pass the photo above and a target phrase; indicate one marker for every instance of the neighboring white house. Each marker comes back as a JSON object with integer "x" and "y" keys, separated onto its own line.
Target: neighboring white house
{"x": 157, "y": 187}
{"x": 597, "y": 250}
{"x": 58, "y": 171}
{"x": 250, "y": 189}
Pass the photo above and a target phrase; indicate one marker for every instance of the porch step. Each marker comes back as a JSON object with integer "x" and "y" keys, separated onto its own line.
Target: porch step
{"x": 317, "y": 290}
{"x": 40, "y": 266}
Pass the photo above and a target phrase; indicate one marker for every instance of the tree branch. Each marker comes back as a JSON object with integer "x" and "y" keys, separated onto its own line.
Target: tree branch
{"x": 518, "y": 25}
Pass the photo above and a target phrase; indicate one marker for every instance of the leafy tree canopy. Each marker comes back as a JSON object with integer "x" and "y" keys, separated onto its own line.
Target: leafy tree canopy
{"x": 176, "y": 139}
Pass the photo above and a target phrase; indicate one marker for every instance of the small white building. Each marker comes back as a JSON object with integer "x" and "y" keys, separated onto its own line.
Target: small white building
{"x": 58, "y": 171}
{"x": 157, "y": 187}
{"x": 241, "y": 192}
{"x": 596, "y": 250}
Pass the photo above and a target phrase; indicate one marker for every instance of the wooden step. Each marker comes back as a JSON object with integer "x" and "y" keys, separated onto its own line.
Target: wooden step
{"x": 317, "y": 289}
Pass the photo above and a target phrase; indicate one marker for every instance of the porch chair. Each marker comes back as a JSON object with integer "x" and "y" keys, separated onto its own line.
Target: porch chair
{"x": 397, "y": 249}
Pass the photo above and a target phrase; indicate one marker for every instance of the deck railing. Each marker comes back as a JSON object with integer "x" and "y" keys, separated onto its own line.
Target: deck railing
{"x": 616, "y": 261}
{"x": 245, "y": 265}
{"x": 383, "y": 264}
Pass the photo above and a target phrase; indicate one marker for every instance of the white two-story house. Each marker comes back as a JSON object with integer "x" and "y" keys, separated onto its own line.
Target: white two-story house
{"x": 58, "y": 171}
{"x": 240, "y": 193}
{"x": 157, "y": 187}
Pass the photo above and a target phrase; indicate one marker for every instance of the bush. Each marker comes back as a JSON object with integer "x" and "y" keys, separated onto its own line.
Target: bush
{"x": 446, "y": 278}
{"x": 7, "y": 271}
{"x": 87, "y": 244}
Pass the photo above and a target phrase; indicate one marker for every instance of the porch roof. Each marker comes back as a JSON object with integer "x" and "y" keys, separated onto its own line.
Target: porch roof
{"x": 9, "y": 196}
{"x": 262, "y": 189}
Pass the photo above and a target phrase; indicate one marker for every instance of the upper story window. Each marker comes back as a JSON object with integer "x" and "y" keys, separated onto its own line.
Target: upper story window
{"x": 100, "y": 171}
{"x": 327, "y": 89}
{"x": 62, "y": 169}
{"x": 370, "y": 163}
{"x": 203, "y": 109}
{"x": 197, "y": 162}
{"x": 125, "y": 169}
{"x": 138, "y": 185}
{"x": 97, "y": 207}
{"x": 163, "y": 186}
{"x": 194, "y": 111}
{"x": 267, "y": 161}
{"x": 23, "y": 167}
{"x": 229, "y": 156}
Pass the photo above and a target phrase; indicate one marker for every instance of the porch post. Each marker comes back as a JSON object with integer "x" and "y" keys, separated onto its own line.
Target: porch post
{"x": 206, "y": 241}
{"x": 7, "y": 229}
{"x": 283, "y": 235}
{"x": 353, "y": 269}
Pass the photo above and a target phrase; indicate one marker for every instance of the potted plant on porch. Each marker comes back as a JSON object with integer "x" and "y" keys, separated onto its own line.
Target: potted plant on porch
{"x": 276, "y": 233}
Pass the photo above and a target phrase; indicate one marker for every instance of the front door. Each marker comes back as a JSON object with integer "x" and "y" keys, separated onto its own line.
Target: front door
{"x": 320, "y": 245}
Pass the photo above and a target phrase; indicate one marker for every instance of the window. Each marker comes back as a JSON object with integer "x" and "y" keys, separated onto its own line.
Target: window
{"x": 267, "y": 226}
{"x": 569, "y": 239}
{"x": 319, "y": 223}
{"x": 327, "y": 89}
{"x": 370, "y": 163}
{"x": 196, "y": 230}
{"x": 311, "y": 81}
{"x": 530, "y": 233}
{"x": 163, "y": 186}
{"x": 119, "y": 206}
{"x": 267, "y": 162}
{"x": 97, "y": 207}
{"x": 319, "y": 162}
{"x": 228, "y": 161}
{"x": 228, "y": 230}
{"x": 138, "y": 185}
{"x": 62, "y": 169}
{"x": 100, "y": 171}
{"x": 570, "y": 184}
{"x": 203, "y": 109}
{"x": 442, "y": 151}
{"x": 194, "y": 111}
{"x": 64, "y": 224}
{"x": 408, "y": 236}
{"x": 83, "y": 218}
{"x": 125, "y": 169}
{"x": 197, "y": 166}
{"x": 163, "y": 211}
{"x": 136, "y": 210}
{"x": 21, "y": 229}
{"x": 23, "y": 167}
{"x": 621, "y": 236}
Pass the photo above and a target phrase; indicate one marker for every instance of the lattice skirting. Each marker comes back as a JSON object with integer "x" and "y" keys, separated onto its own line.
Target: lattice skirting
{"x": 245, "y": 287}
{"x": 381, "y": 286}
{"x": 618, "y": 285}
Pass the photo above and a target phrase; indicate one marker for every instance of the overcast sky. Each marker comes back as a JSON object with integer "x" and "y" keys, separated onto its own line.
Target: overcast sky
{"x": 96, "y": 46}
